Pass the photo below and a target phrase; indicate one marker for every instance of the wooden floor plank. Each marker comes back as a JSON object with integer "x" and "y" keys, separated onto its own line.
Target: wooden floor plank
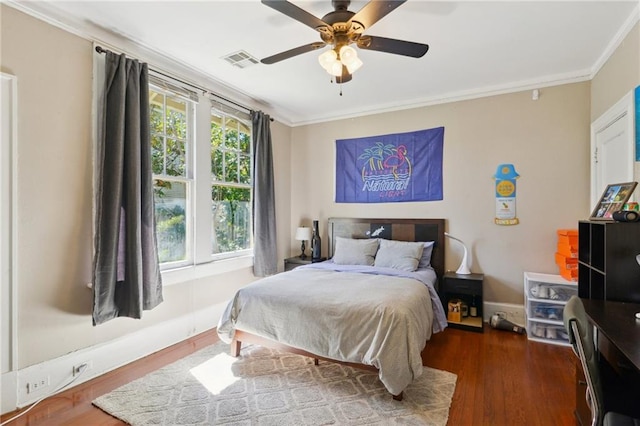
{"x": 503, "y": 379}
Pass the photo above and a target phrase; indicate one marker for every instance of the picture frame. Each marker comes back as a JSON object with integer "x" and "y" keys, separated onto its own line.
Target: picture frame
{"x": 613, "y": 199}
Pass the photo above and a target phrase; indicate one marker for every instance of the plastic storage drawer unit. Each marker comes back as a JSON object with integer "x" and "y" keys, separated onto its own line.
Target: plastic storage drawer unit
{"x": 545, "y": 297}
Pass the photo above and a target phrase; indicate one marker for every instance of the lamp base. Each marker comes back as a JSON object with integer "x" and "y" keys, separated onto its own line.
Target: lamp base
{"x": 463, "y": 270}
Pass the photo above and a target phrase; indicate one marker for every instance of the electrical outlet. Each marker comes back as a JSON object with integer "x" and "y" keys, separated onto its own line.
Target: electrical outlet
{"x": 79, "y": 368}
{"x": 37, "y": 385}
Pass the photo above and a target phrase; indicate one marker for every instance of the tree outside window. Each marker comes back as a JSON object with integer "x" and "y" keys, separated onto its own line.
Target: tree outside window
{"x": 231, "y": 183}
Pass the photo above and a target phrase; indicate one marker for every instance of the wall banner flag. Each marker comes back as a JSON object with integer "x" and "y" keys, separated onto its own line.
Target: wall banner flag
{"x": 390, "y": 168}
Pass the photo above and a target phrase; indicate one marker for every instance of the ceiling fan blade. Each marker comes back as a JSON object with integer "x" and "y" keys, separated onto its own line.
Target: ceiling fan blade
{"x": 391, "y": 45}
{"x": 374, "y": 11}
{"x": 300, "y": 15}
{"x": 293, "y": 52}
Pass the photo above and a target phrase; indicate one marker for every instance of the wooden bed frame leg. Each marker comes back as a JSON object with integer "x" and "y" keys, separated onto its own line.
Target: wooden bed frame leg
{"x": 398, "y": 397}
{"x": 316, "y": 361}
{"x": 235, "y": 347}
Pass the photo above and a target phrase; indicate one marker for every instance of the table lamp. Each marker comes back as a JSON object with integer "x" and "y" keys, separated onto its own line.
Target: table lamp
{"x": 303, "y": 234}
{"x": 463, "y": 269}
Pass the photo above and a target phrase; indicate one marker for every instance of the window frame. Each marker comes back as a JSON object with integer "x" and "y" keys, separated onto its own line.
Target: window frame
{"x": 224, "y": 114}
{"x": 188, "y": 179}
{"x": 201, "y": 262}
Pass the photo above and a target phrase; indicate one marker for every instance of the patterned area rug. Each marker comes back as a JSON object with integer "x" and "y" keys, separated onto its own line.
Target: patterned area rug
{"x": 267, "y": 387}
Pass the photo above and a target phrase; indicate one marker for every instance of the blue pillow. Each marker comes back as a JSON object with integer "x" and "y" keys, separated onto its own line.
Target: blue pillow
{"x": 425, "y": 260}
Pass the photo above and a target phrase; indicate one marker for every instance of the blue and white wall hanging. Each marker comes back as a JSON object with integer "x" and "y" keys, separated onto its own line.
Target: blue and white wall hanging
{"x": 506, "y": 195}
{"x": 390, "y": 168}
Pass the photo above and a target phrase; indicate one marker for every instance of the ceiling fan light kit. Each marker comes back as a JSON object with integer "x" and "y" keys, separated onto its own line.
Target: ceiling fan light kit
{"x": 332, "y": 62}
{"x": 341, "y": 28}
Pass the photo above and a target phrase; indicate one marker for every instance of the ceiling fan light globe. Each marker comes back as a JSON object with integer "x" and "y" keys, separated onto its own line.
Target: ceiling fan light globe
{"x": 348, "y": 54}
{"x": 327, "y": 59}
{"x": 354, "y": 65}
{"x": 336, "y": 69}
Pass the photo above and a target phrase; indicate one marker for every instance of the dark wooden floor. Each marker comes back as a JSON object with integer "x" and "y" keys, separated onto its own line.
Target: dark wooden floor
{"x": 503, "y": 379}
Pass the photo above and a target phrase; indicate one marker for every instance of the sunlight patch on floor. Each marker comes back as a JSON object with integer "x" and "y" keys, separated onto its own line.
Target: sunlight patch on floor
{"x": 216, "y": 374}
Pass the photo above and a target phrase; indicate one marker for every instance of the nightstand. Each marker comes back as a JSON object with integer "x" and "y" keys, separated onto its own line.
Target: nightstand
{"x": 294, "y": 262}
{"x": 457, "y": 291}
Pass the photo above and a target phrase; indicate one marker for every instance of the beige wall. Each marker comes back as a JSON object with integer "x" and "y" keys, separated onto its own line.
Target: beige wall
{"x": 54, "y": 253}
{"x": 619, "y": 75}
{"x": 547, "y": 140}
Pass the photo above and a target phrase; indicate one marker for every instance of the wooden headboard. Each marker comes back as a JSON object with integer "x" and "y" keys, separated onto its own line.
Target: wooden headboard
{"x": 393, "y": 229}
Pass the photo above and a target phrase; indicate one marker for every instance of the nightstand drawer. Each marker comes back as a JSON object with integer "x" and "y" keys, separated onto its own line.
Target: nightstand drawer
{"x": 463, "y": 286}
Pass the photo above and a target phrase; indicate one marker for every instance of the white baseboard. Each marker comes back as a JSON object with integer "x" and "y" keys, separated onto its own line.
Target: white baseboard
{"x": 104, "y": 357}
{"x": 515, "y": 313}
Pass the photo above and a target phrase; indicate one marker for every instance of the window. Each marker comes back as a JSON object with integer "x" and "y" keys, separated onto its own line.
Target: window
{"x": 231, "y": 184}
{"x": 171, "y": 143}
{"x": 201, "y": 216}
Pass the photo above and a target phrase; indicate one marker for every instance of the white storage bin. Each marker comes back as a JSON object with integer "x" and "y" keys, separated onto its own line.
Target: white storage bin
{"x": 548, "y": 332}
{"x": 547, "y": 291}
{"x": 545, "y": 297}
{"x": 548, "y": 311}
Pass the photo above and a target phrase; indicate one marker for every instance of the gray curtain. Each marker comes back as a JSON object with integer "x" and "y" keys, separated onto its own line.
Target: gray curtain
{"x": 126, "y": 272}
{"x": 265, "y": 256}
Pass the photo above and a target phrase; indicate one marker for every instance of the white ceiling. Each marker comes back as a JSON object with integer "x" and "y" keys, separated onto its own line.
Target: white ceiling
{"x": 477, "y": 48}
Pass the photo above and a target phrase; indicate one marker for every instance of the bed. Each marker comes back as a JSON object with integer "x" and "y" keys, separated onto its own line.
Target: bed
{"x": 375, "y": 316}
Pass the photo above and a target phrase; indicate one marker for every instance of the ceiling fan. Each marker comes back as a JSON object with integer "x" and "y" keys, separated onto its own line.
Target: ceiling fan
{"x": 341, "y": 28}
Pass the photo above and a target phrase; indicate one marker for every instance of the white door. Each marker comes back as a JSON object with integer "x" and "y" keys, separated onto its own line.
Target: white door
{"x": 612, "y": 147}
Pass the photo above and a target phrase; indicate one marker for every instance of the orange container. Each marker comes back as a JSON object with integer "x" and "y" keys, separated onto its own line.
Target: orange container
{"x": 568, "y": 236}
{"x": 568, "y": 250}
{"x": 569, "y": 274}
{"x": 566, "y": 262}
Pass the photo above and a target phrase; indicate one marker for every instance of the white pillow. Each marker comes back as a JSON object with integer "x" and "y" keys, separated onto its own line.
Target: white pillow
{"x": 355, "y": 251}
{"x": 402, "y": 255}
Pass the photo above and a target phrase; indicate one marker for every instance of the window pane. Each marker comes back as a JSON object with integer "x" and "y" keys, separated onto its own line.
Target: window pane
{"x": 157, "y": 154}
{"x": 176, "y": 118}
{"x": 217, "y": 168}
{"x": 245, "y": 169}
{"x": 155, "y": 114}
{"x": 171, "y": 223}
{"x": 245, "y": 142}
{"x": 231, "y": 219}
{"x": 216, "y": 133}
{"x": 176, "y": 158}
{"x": 231, "y": 167}
{"x": 231, "y": 134}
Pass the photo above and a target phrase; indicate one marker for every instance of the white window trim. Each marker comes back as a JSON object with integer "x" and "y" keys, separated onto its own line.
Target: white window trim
{"x": 203, "y": 263}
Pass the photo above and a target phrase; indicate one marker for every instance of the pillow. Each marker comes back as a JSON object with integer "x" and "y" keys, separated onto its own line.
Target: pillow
{"x": 355, "y": 252}
{"x": 425, "y": 260}
{"x": 402, "y": 255}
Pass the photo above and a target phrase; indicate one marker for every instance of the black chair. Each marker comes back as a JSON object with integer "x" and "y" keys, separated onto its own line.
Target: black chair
{"x": 581, "y": 338}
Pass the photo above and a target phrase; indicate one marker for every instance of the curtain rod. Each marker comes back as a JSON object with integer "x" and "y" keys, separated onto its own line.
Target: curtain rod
{"x": 99, "y": 49}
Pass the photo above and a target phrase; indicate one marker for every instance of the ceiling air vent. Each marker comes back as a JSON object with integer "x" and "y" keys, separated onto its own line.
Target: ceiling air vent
{"x": 240, "y": 59}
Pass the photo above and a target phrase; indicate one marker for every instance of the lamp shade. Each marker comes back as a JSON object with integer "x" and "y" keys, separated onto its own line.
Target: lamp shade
{"x": 303, "y": 233}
